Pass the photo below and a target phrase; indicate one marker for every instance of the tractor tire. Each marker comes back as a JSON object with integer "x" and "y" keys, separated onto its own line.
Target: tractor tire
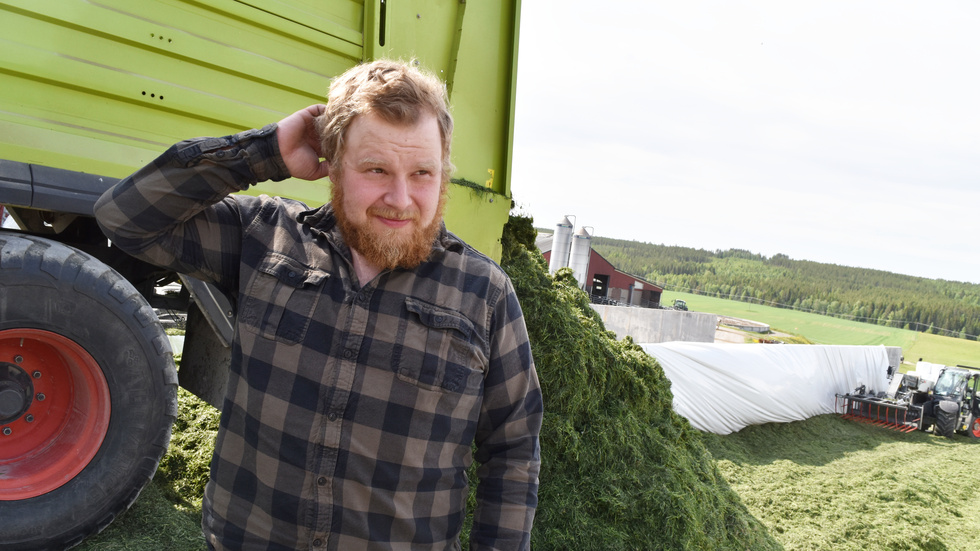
{"x": 945, "y": 422}
{"x": 973, "y": 431}
{"x": 88, "y": 394}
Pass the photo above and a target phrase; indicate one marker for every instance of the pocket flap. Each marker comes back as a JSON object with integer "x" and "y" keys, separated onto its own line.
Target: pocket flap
{"x": 439, "y": 318}
{"x": 291, "y": 272}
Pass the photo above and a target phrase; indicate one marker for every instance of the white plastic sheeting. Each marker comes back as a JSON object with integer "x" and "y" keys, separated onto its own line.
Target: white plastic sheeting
{"x": 927, "y": 371}
{"x": 723, "y": 388}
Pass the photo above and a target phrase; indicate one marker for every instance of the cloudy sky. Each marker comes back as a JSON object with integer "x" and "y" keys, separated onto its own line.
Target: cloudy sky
{"x": 836, "y": 131}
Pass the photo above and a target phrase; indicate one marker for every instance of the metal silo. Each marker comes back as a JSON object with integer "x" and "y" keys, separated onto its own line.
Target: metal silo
{"x": 578, "y": 261}
{"x": 560, "y": 244}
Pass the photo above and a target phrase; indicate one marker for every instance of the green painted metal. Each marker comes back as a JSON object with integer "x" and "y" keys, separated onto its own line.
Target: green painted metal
{"x": 104, "y": 88}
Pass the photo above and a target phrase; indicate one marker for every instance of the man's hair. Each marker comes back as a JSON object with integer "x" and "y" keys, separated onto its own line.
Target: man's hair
{"x": 399, "y": 93}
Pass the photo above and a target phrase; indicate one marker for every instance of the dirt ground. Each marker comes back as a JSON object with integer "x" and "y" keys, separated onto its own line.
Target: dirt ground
{"x": 725, "y": 334}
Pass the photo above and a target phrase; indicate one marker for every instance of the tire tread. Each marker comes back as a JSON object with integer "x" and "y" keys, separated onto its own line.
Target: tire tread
{"x": 33, "y": 261}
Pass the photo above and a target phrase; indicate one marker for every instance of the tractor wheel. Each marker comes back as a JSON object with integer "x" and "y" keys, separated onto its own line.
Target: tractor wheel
{"x": 973, "y": 431}
{"x": 945, "y": 422}
{"x": 87, "y": 394}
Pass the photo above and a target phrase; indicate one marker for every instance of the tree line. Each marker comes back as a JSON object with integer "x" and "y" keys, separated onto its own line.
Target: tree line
{"x": 935, "y": 306}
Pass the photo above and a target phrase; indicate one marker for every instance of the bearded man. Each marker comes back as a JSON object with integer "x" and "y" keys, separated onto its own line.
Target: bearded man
{"x": 372, "y": 348}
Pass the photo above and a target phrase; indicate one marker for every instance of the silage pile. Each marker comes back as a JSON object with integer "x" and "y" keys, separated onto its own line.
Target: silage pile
{"x": 620, "y": 470}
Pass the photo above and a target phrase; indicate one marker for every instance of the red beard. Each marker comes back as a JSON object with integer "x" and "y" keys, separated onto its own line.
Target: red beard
{"x": 387, "y": 248}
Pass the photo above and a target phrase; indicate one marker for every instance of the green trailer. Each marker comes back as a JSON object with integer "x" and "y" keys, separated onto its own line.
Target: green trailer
{"x": 92, "y": 90}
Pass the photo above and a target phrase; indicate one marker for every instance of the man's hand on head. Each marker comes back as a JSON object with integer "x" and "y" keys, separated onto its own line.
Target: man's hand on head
{"x": 299, "y": 144}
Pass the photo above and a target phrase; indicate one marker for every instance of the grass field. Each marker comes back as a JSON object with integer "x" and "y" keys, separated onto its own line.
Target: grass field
{"x": 829, "y": 483}
{"x": 829, "y": 330}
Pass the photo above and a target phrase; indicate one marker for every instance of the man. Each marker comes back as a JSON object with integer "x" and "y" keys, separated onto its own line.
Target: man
{"x": 372, "y": 348}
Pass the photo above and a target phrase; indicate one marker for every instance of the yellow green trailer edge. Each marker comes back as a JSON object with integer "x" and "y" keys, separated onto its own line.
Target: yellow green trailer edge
{"x": 92, "y": 90}
{"x": 103, "y": 88}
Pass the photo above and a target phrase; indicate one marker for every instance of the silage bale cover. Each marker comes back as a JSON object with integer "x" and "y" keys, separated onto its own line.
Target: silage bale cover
{"x": 723, "y": 388}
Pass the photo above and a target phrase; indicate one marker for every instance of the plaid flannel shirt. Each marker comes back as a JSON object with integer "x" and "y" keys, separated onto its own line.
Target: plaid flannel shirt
{"x": 351, "y": 410}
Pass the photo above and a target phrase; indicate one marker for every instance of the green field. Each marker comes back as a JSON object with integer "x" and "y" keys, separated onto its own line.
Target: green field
{"x": 831, "y": 484}
{"x": 829, "y": 330}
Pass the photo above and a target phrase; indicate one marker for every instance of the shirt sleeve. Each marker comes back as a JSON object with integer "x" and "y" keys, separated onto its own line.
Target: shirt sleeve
{"x": 507, "y": 436}
{"x": 176, "y": 212}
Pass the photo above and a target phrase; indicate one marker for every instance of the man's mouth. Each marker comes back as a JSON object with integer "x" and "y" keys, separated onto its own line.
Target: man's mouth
{"x": 395, "y": 222}
{"x": 393, "y": 219}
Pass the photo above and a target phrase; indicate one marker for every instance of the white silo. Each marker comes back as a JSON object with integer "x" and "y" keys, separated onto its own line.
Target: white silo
{"x": 560, "y": 244}
{"x": 578, "y": 260}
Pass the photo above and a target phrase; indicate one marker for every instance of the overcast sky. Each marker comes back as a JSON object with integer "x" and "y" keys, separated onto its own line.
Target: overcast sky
{"x": 845, "y": 132}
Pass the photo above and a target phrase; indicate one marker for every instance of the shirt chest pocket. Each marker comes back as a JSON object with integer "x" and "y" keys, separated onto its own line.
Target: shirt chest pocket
{"x": 280, "y": 299}
{"x": 438, "y": 349}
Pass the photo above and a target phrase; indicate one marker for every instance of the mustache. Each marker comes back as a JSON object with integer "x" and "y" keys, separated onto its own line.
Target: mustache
{"x": 392, "y": 214}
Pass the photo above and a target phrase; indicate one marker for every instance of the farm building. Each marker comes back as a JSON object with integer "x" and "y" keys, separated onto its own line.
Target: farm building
{"x": 604, "y": 283}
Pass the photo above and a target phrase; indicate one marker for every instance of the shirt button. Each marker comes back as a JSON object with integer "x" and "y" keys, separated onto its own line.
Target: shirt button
{"x": 322, "y": 481}
{"x": 318, "y": 543}
{"x": 348, "y": 354}
{"x": 332, "y": 416}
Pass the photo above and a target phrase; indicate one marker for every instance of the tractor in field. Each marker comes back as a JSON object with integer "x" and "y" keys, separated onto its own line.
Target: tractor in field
{"x": 938, "y": 397}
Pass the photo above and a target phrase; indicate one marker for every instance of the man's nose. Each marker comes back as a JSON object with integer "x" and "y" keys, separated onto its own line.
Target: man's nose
{"x": 397, "y": 195}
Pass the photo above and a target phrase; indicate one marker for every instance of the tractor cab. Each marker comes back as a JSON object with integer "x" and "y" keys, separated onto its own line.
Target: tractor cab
{"x": 954, "y": 404}
{"x": 951, "y": 383}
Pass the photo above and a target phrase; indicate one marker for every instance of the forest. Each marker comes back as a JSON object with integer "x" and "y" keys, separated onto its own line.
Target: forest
{"x": 934, "y": 306}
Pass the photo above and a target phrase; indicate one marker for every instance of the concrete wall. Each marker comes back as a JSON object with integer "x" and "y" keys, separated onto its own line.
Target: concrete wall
{"x": 744, "y": 325}
{"x": 649, "y": 325}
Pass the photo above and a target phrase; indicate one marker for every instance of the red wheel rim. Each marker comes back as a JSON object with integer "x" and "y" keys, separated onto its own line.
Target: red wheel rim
{"x": 975, "y": 427}
{"x": 65, "y": 420}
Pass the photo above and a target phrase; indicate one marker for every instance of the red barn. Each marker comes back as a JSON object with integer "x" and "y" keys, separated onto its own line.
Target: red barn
{"x": 606, "y": 284}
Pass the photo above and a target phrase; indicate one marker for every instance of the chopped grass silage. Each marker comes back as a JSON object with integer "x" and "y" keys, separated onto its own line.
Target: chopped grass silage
{"x": 187, "y": 464}
{"x": 167, "y": 515}
{"x": 153, "y": 523}
{"x": 620, "y": 470}
{"x": 829, "y": 483}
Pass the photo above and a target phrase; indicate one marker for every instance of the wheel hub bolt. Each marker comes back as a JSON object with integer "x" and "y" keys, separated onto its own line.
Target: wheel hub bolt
{"x": 7, "y": 431}
{"x": 29, "y": 418}
{"x": 37, "y": 374}
{"x": 40, "y": 396}
{"x": 18, "y": 359}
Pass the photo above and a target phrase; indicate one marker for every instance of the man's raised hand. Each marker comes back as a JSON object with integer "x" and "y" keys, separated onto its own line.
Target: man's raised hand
{"x": 299, "y": 144}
